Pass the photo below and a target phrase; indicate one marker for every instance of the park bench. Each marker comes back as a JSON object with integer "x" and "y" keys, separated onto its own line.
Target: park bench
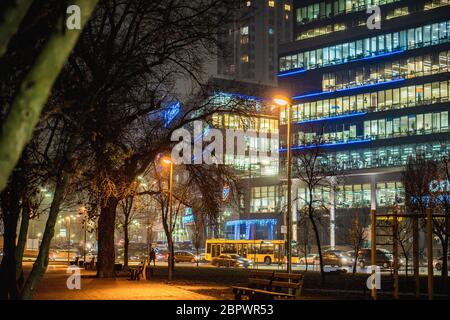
{"x": 266, "y": 285}
{"x": 138, "y": 272}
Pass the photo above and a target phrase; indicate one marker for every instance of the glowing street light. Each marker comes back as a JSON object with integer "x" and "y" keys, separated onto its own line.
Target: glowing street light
{"x": 168, "y": 162}
{"x": 286, "y": 103}
{"x": 68, "y": 239}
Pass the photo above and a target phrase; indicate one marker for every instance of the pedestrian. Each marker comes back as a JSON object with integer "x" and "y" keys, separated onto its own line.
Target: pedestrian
{"x": 152, "y": 257}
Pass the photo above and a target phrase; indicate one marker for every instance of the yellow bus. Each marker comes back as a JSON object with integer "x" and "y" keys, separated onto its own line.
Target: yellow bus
{"x": 267, "y": 251}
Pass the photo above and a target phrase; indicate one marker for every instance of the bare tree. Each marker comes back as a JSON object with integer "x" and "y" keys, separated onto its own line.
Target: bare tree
{"x": 304, "y": 238}
{"x": 357, "y": 234}
{"x": 197, "y": 234}
{"x": 416, "y": 178}
{"x": 404, "y": 237}
{"x": 199, "y": 187}
{"x": 315, "y": 175}
{"x": 442, "y": 202}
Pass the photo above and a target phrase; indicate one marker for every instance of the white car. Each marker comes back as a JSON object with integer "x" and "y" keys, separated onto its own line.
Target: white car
{"x": 309, "y": 259}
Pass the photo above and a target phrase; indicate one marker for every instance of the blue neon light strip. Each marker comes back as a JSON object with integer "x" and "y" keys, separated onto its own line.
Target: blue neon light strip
{"x": 248, "y": 222}
{"x": 382, "y": 55}
{"x": 350, "y": 115}
{"x": 346, "y": 89}
{"x": 291, "y": 73}
{"x": 327, "y": 145}
{"x": 286, "y": 73}
{"x": 171, "y": 112}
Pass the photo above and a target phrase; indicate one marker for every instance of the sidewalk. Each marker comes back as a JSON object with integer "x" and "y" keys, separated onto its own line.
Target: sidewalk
{"x": 53, "y": 287}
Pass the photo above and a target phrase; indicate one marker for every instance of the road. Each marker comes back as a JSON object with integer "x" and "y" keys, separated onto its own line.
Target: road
{"x": 297, "y": 267}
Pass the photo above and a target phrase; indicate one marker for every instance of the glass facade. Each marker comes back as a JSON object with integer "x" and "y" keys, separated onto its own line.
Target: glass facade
{"x": 321, "y": 196}
{"x": 413, "y": 38}
{"x": 372, "y": 116}
{"x": 383, "y": 157}
{"x": 383, "y": 100}
{"x": 239, "y": 122}
{"x": 320, "y": 31}
{"x": 412, "y": 124}
{"x": 260, "y": 162}
{"x": 353, "y": 196}
{"x": 386, "y": 128}
{"x": 266, "y": 199}
{"x": 327, "y": 9}
{"x": 390, "y": 194}
{"x": 419, "y": 66}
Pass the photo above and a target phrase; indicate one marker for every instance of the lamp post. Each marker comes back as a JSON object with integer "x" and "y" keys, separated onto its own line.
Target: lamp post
{"x": 68, "y": 239}
{"x": 83, "y": 211}
{"x": 286, "y": 102}
{"x": 169, "y": 162}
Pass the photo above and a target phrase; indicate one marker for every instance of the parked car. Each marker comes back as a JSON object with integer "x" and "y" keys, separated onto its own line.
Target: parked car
{"x": 309, "y": 259}
{"x": 335, "y": 258}
{"x": 437, "y": 263}
{"x": 383, "y": 259}
{"x": 231, "y": 260}
{"x": 184, "y": 256}
{"x": 201, "y": 257}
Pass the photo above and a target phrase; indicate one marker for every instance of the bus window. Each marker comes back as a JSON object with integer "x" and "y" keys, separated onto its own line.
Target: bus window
{"x": 208, "y": 248}
{"x": 228, "y": 248}
{"x": 266, "y": 248}
{"x": 243, "y": 250}
{"x": 278, "y": 252}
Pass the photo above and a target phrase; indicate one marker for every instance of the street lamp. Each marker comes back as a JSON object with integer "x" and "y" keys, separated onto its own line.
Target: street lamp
{"x": 68, "y": 239}
{"x": 83, "y": 211}
{"x": 168, "y": 162}
{"x": 286, "y": 102}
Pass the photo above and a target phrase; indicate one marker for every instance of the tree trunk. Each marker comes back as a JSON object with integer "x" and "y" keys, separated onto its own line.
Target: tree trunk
{"x": 22, "y": 240}
{"x": 18, "y": 126}
{"x": 11, "y": 19}
{"x": 355, "y": 263}
{"x": 11, "y": 209}
{"x": 126, "y": 244}
{"x": 416, "y": 259}
{"x": 171, "y": 260}
{"x": 41, "y": 263}
{"x": 445, "y": 248}
{"x": 319, "y": 249}
{"x": 106, "y": 247}
{"x": 444, "y": 274}
{"x": 197, "y": 255}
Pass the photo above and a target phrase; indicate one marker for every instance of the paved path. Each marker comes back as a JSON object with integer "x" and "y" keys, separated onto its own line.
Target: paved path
{"x": 53, "y": 287}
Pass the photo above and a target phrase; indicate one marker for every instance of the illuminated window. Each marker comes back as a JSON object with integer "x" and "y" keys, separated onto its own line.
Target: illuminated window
{"x": 244, "y": 31}
{"x": 245, "y": 58}
{"x": 249, "y": 3}
{"x": 372, "y": 47}
{"x": 287, "y": 7}
{"x": 244, "y": 40}
{"x": 435, "y": 4}
{"x": 397, "y": 12}
{"x": 271, "y": 3}
{"x": 397, "y": 98}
